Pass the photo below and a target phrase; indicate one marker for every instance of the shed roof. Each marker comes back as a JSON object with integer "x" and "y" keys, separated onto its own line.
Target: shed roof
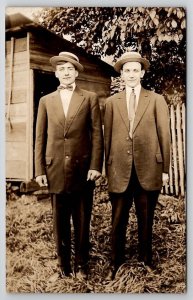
{"x": 18, "y": 24}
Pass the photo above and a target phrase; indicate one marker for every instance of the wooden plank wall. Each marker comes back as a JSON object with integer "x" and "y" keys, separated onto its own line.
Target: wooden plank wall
{"x": 16, "y": 146}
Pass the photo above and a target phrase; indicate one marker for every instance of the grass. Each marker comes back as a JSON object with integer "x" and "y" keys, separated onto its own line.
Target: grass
{"x": 32, "y": 262}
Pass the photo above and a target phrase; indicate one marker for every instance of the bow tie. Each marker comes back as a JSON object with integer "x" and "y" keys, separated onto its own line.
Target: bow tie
{"x": 66, "y": 87}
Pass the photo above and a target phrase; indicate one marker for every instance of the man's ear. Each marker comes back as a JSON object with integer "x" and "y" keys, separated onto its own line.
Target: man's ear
{"x": 76, "y": 74}
{"x": 142, "y": 73}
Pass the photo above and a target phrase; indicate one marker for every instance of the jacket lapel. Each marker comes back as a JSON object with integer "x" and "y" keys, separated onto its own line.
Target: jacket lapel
{"x": 58, "y": 108}
{"x": 122, "y": 106}
{"x": 141, "y": 108}
{"x": 75, "y": 104}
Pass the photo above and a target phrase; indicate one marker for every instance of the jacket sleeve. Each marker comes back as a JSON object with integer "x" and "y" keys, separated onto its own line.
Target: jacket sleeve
{"x": 163, "y": 130}
{"x": 41, "y": 138}
{"x": 97, "y": 150}
{"x": 108, "y": 118}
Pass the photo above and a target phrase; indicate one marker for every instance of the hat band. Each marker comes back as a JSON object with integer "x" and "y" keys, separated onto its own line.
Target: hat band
{"x": 71, "y": 57}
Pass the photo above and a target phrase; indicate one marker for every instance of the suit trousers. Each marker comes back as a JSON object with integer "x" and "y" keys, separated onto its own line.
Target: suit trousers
{"x": 78, "y": 206}
{"x": 145, "y": 203}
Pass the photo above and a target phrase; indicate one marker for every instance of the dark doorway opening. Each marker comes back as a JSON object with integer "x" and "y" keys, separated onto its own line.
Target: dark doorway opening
{"x": 44, "y": 83}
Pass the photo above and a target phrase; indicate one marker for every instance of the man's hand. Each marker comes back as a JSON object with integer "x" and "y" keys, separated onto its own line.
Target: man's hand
{"x": 165, "y": 178}
{"x": 42, "y": 180}
{"x": 93, "y": 175}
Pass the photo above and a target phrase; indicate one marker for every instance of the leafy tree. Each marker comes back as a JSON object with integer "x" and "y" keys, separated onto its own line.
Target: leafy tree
{"x": 158, "y": 33}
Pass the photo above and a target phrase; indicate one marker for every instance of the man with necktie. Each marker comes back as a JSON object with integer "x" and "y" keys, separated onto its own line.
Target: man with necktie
{"x": 137, "y": 154}
{"x": 68, "y": 159}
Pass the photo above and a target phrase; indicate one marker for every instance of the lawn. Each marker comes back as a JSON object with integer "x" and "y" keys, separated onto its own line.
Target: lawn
{"x": 31, "y": 257}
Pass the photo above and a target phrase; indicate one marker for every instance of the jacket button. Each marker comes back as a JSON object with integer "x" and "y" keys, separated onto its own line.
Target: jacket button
{"x": 67, "y": 156}
{"x": 128, "y": 151}
{"x": 127, "y": 138}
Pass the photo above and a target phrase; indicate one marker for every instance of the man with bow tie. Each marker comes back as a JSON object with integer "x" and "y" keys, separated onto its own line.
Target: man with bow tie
{"x": 137, "y": 152}
{"x": 68, "y": 159}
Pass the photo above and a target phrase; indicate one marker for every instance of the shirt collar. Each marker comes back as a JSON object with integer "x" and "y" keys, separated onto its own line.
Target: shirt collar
{"x": 74, "y": 86}
{"x": 137, "y": 89}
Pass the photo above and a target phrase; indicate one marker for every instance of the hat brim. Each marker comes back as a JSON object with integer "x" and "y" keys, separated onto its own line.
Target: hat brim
{"x": 55, "y": 60}
{"x": 118, "y": 65}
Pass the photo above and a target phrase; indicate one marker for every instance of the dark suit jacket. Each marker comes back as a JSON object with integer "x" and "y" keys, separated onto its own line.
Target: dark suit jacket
{"x": 150, "y": 147}
{"x": 66, "y": 148}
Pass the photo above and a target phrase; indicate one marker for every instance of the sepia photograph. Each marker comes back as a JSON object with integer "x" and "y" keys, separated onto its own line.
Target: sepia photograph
{"x": 95, "y": 121}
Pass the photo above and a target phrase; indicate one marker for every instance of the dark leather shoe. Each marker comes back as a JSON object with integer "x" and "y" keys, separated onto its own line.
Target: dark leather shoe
{"x": 81, "y": 272}
{"x": 111, "y": 273}
{"x": 65, "y": 272}
{"x": 147, "y": 260}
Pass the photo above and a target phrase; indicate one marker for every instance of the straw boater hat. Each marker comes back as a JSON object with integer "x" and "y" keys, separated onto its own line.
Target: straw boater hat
{"x": 131, "y": 57}
{"x": 66, "y": 57}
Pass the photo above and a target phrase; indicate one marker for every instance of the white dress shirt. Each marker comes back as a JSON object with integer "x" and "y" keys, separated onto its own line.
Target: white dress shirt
{"x": 66, "y": 96}
{"x": 137, "y": 91}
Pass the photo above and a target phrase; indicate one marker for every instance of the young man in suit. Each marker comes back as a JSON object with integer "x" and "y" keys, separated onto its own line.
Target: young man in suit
{"x": 68, "y": 158}
{"x": 137, "y": 152}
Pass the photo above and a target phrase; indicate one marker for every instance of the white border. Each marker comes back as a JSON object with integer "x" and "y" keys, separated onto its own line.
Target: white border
{"x": 188, "y": 4}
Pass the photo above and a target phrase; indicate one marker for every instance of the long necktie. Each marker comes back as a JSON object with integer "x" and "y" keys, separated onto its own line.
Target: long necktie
{"x": 132, "y": 108}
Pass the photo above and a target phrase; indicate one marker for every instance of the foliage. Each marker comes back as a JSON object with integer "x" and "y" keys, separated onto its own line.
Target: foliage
{"x": 12, "y": 191}
{"x": 159, "y": 33}
{"x": 32, "y": 263}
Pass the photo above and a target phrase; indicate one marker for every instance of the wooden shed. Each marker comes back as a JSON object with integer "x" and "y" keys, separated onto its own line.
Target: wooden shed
{"x": 29, "y": 76}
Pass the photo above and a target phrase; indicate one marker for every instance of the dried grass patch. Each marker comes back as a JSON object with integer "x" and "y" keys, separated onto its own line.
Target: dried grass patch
{"x": 31, "y": 258}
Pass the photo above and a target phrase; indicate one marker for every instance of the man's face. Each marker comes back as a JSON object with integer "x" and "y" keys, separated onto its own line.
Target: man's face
{"x": 66, "y": 73}
{"x": 132, "y": 73}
